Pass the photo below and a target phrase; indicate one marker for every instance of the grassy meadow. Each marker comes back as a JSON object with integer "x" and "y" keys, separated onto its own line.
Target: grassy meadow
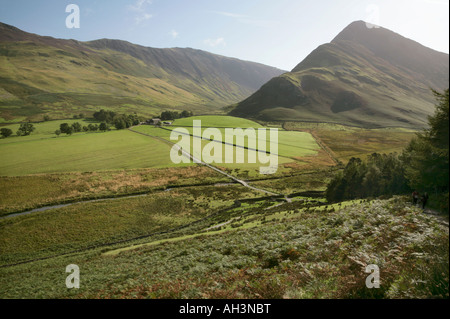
{"x": 83, "y": 152}
{"x": 293, "y": 148}
{"x": 217, "y": 121}
{"x": 346, "y": 142}
{"x": 21, "y": 193}
{"x": 88, "y": 224}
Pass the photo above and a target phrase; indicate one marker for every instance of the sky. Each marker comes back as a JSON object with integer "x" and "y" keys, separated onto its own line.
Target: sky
{"x": 279, "y": 33}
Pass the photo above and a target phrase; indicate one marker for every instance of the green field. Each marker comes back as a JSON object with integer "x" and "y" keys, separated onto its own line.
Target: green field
{"x": 290, "y": 143}
{"x": 43, "y": 152}
{"x": 346, "y": 142}
{"x": 292, "y": 147}
{"x": 83, "y": 152}
{"x": 42, "y": 130}
{"x": 217, "y": 121}
{"x": 43, "y": 169}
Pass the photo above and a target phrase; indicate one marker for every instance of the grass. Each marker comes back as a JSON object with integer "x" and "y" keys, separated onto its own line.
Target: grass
{"x": 83, "y": 225}
{"x": 197, "y": 241}
{"x": 43, "y": 152}
{"x": 42, "y": 169}
{"x": 292, "y": 147}
{"x": 42, "y": 130}
{"x": 245, "y": 220}
{"x": 84, "y": 152}
{"x": 310, "y": 254}
{"x": 290, "y": 144}
{"x": 40, "y": 79}
{"x": 217, "y": 121}
{"x": 346, "y": 141}
{"x": 316, "y": 180}
{"x": 21, "y": 193}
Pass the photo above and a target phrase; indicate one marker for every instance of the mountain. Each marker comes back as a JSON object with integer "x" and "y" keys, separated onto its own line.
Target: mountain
{"x": 367, "y": 76}
{"x": 43, "y": 75}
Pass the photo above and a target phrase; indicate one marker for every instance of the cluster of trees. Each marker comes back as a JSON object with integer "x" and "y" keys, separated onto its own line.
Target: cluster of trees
{"x": 24, "y": 130}
{"x": 123, "y": 121}
{"x": 427, "y": 155}
{"x": 104, "y": 116}
{"x": 107, "y": 119}
{"x": 119, "y": 121}
{"x": 76, "y": 127}
{"x": 379, "y": 174}
{"x": 171, "y": 115}
{"x": 423, "y": 165}
{"x": 5, "y": 132}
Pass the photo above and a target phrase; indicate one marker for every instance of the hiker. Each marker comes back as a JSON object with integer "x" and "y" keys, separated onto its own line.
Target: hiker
{"x": 424, "y": 200}
{"x": 415, "y": 196}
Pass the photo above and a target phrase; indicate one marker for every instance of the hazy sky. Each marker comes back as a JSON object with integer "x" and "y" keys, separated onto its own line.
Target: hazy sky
{"x": 279, "y": 33}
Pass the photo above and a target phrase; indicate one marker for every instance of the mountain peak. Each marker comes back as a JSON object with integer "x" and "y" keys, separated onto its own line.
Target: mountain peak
{"x": 367, "y": 76}
{"x": 369, "y": 35}
{"x": 355, "y": 28}
{"x": 392, "y": 47}
{"x": 375, "y": 37}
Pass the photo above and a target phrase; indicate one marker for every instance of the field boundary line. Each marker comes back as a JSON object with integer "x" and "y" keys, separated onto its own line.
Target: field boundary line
{"x": 318, "y": 140}
{"x": 196, "y": 160}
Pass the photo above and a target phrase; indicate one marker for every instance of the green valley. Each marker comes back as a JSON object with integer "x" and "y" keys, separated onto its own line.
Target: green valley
{"x": 181, "y": 174}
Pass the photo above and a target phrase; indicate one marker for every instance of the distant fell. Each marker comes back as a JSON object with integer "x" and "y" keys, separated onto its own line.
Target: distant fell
{"x": 43, "y": 75}
{"x": 366, "y": 76}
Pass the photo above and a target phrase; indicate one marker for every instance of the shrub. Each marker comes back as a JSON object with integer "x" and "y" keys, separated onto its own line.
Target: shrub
{"x": 5, "y": 132}
{"x": 25, "y": 129}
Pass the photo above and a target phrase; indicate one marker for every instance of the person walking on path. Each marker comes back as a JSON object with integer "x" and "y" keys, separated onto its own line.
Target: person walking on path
{"x": 424, "y": 200}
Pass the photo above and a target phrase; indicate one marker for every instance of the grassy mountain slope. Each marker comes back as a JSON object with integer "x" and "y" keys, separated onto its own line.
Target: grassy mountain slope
{"x": 365, "y": 76}
{"x": 64, "y": 77}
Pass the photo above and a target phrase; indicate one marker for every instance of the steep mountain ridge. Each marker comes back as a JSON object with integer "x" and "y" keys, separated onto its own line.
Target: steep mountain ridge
{"x": 62, "y": 77}
{"x": 367, "y": 76}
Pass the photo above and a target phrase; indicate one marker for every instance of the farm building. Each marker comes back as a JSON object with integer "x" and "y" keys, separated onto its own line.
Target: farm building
{"x": 153, "y": 122}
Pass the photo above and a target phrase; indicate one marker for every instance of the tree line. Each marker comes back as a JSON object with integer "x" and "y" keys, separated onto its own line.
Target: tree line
{"x": 106, "y": 118}
{"x": 25, "y": 129}
{"x": 173, "y": 115}
{"x": 379, "y": 174}
{"x": 423, "y": 165}
{"x": 76, "y": 127}
{"x": 119, "y": 121}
